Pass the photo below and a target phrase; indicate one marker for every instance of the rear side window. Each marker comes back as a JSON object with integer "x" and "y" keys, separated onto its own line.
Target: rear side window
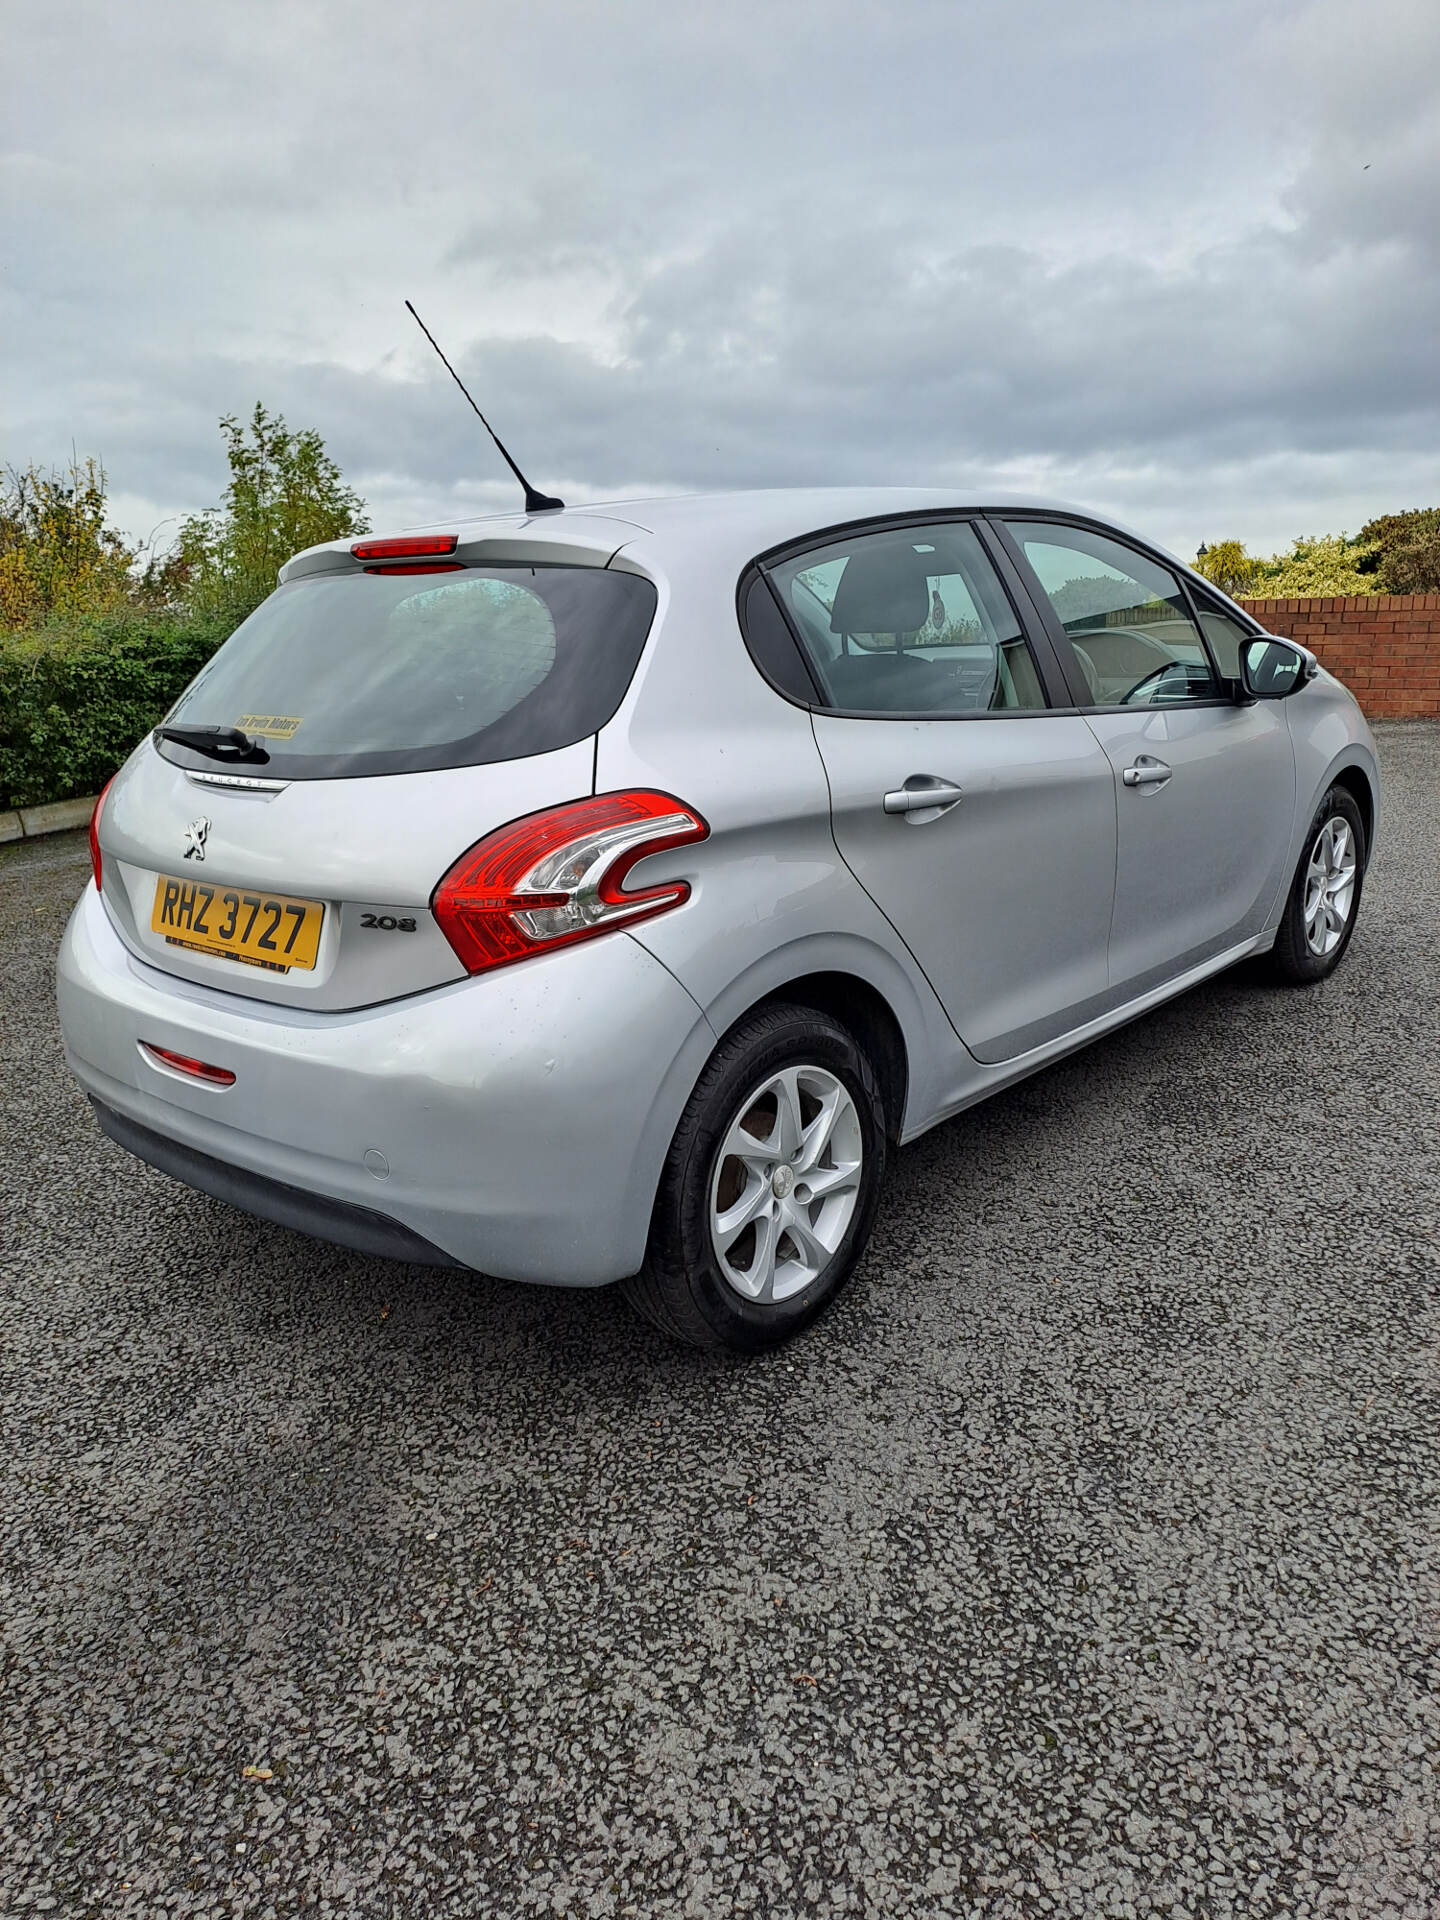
{"x": 908, "y": 620}
{"x": 355, "y": 674}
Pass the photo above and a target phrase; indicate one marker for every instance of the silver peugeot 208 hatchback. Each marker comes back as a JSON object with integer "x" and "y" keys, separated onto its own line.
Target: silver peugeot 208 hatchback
{"x": 601, "y": 894}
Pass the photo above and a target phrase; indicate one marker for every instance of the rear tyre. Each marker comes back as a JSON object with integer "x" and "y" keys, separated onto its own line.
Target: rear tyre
{"x": 1324, "y": 897}
{"x": 770, "y": 1187}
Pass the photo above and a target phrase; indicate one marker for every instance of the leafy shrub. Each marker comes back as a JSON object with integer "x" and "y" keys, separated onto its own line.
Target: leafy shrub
{"x": 57, "y": 556}
{"x": 1232, "y": 569}
{"x": 1316, "y": 564}
{"x": 1406, "y": 550}
{"x": 75, "y": 697}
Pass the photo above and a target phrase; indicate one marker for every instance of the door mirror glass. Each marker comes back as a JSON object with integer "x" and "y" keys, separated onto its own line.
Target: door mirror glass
{"x": 1271, "y": 668}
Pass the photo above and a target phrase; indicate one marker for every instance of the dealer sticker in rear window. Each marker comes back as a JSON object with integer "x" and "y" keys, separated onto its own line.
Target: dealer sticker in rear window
{"x": 270, "y": 726}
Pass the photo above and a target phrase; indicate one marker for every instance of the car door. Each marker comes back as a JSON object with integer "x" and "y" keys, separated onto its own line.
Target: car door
{"x": 1205, "y": 785}
{"x": 979, "y": 817}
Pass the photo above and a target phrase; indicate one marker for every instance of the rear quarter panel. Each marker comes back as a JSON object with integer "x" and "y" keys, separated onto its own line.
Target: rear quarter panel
{"x": 771, "y": 899}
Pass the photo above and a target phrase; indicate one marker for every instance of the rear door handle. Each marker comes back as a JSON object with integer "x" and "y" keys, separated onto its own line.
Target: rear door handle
{"x": 1146, "y": 773}
{"x": 923, "y": 793}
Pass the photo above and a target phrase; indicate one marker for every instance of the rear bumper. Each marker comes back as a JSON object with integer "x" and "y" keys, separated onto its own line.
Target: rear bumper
{"x": 515, "y": 1123}
{"x": 359, "y": 1228}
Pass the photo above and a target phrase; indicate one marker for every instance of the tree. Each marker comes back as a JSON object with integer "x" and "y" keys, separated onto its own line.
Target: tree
{"x": 285, "y": 493}
{"x": 1229, "y": 566}
{"x": 57, "y": 556}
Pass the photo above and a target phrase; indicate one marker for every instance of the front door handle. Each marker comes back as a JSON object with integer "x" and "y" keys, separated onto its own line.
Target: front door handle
{"x": 1146, "y": 773}
{"x": 924, "y": 794}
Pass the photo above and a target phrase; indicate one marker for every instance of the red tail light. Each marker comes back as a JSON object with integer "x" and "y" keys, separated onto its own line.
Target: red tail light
{"x": 410, "y": 547}
{"x": 559, "y": 876}
{"x": 95, "y": 830}
{"x": 196, "y": 1069}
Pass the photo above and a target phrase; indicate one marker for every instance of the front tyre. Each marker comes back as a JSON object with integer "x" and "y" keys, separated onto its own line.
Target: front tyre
{"x": 770, "y": 1187}
{"x": 1324, "y": 897}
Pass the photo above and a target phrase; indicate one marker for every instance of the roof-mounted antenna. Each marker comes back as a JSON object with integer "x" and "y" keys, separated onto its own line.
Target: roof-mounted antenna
{"x": 534, "y": 502}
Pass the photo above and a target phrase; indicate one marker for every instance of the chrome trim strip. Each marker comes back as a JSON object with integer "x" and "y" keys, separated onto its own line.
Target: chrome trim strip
{"x": 251, "y": 783}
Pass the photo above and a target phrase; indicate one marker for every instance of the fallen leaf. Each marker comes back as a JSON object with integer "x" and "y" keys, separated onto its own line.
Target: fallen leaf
{"x": 257, "y": 1773}
{"x": 807, "y": 1678}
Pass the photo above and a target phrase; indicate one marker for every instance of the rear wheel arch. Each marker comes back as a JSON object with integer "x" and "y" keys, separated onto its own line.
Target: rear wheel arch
{"x": 866, "y": 1014}
{"x": 687, "y": 1285}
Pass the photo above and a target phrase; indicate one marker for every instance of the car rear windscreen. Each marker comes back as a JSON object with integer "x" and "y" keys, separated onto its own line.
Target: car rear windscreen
{"x": 356, "y": 673}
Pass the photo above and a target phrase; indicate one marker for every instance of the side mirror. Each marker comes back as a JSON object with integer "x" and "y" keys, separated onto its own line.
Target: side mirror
{"x": 1271, "y": 668}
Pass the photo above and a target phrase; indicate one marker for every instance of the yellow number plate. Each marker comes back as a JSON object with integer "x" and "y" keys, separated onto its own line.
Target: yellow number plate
{"x": 262, "y": 929}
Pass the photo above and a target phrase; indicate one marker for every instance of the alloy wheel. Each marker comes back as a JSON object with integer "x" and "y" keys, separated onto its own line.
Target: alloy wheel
{"x": 786, "y": 1183}
{"x": 1330, "y": 886}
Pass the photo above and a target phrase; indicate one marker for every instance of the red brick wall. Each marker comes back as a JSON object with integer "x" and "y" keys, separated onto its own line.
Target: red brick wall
{"x": 1385, "y": 647}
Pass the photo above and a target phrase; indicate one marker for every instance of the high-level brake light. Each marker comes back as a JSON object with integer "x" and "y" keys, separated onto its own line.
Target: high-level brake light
{"x": 415, "y": 546}
{"x": 559, "y": 876}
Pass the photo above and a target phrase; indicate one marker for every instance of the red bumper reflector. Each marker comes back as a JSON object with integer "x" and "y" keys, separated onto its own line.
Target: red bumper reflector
{"x": 408, "y": 547}
{"x": 197, "y": 1069}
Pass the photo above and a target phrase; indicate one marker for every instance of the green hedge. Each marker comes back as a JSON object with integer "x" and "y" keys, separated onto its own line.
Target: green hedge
{"x": 75, "y": 699}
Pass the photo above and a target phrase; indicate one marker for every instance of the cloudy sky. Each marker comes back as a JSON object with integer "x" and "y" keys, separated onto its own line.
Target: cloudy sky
{"x": 1179, "y": 259}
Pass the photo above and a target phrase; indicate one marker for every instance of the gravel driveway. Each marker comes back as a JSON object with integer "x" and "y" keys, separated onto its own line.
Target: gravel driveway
{"x": 1082, "y": 1562}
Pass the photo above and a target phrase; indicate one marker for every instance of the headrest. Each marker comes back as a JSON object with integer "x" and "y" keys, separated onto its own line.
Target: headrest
{"x": 885, "y": 588}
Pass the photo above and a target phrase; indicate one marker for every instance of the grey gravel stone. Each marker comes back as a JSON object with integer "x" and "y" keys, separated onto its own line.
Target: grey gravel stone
{"x": 1082, "y": 1562}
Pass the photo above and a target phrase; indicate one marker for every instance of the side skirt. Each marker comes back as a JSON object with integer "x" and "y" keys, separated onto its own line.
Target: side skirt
{"x": 987, "y": 1080}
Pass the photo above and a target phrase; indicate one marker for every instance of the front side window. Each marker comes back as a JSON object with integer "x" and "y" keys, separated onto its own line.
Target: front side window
{"x": 356, "y": 673}
{"x": 908, "y": 620}
{"x": 1129, "y": 627}
{"x": 1226, "y": 636}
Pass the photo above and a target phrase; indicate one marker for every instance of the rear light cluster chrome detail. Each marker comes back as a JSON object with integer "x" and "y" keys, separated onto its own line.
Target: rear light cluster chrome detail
{"x": 558, "y": 876}
{"x": 95, "y": 861}
{"x": 416, "y": 552}
{"x": 193, "y": 1069}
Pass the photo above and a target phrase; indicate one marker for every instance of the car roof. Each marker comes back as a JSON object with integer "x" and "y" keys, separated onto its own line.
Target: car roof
{"x": 776, "y": 514}
{"x": 736, "y": 525}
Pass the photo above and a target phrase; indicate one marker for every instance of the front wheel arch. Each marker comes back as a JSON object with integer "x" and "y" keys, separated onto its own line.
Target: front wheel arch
{"x": 1292, "y": 959}
{"x": 1355, "y": 783}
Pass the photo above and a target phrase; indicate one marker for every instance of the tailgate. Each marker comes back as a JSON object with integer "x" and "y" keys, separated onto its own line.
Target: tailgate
{"x": 358, "y": 858}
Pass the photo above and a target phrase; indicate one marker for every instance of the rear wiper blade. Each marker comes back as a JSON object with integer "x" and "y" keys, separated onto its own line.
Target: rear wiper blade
{"x": 221, "y": 743}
